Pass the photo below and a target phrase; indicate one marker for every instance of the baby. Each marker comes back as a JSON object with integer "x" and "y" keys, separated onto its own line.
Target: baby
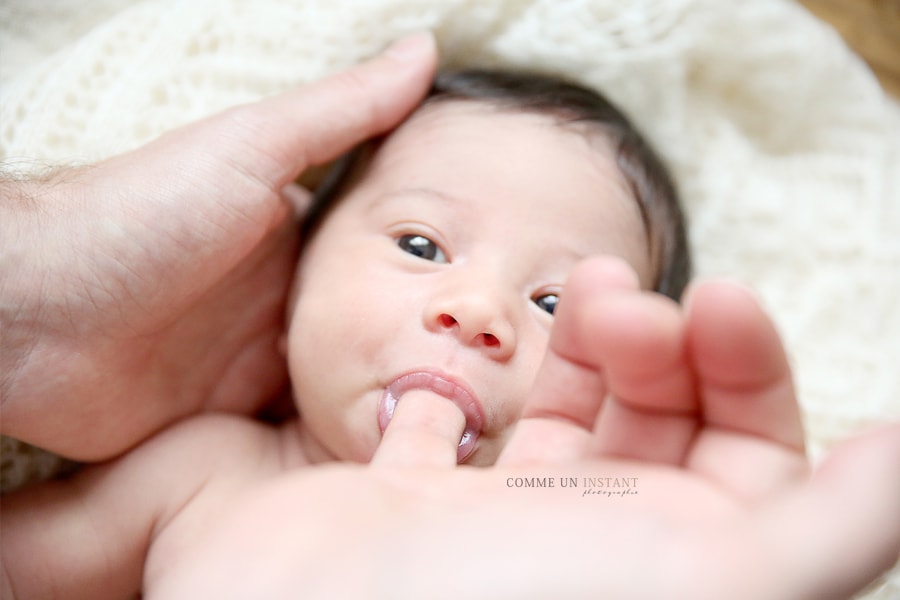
{"x": 434, "y": 278}
{"x": 444, "y": 260}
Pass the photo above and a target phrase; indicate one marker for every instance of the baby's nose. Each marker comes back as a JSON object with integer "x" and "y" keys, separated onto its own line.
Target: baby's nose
{"x": 478, "y": 319}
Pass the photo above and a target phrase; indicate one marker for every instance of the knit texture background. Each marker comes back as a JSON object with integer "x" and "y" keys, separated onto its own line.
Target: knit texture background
{"x": 785, "y": 149}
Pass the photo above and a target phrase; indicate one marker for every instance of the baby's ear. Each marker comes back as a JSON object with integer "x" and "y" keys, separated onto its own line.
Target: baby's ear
{"x": 313, "y": 176}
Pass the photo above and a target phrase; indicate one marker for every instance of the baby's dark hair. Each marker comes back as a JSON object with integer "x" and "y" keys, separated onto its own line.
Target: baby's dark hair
{"x": 571, "y": 103}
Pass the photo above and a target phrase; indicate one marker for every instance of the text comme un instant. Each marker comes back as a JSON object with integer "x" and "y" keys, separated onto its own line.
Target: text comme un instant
{"x": 591, "y": 486}
{"x": 572, "y": 482}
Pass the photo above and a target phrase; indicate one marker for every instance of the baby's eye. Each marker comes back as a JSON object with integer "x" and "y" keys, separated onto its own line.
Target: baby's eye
{"x": 547, "y": 302}
{"x": 421, "y": 246}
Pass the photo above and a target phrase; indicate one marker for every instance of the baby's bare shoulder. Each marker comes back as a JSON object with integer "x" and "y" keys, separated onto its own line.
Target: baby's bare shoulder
{"x": 214, "y": 460}
{"x": 165, "y": 491}
{"x": 210, "y": 444}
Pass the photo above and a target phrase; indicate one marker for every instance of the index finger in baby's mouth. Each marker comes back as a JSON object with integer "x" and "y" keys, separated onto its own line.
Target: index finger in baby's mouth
{"x": 425, "y": 431}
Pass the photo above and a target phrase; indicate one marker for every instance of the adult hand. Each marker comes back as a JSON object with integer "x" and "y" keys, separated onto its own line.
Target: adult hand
{"x": 152, "y": 286}
{"x": 691, "y": 410}
{"x": 347, "y": 531}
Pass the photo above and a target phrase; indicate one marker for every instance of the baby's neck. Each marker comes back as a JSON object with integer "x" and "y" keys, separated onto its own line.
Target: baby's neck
{"x": 300, "y": 448}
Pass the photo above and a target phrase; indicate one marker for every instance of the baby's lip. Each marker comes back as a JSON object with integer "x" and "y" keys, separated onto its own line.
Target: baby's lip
{"x": 444, "y": 385}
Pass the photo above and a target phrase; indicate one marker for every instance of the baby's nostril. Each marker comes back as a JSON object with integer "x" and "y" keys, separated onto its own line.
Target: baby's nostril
{"x": 447, "y": 320}
{"x": 491, "y": 340}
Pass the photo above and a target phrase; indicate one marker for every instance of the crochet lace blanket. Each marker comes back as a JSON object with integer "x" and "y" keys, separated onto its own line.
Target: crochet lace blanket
{"x": 786, "y": 151}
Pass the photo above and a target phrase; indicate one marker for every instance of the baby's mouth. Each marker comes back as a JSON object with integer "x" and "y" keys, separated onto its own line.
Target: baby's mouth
{"x": 445, "y": 386}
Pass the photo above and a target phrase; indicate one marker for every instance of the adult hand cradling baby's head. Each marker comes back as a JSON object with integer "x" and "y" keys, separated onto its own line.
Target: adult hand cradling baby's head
{"x": 163, "y": 275}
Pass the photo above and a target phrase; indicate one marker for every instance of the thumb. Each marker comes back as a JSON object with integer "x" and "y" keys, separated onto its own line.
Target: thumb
{"x": 216, "y": 187}
{"x": 313, "y": 124}
{"x": 843, "y": 528}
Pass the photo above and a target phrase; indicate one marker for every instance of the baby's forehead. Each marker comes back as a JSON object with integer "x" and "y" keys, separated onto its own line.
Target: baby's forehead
{"x": 478, "y": 109}
{"x": 466, "y": 116}
{"x": 483, "y": 150}
{"x": 456, "y": 140}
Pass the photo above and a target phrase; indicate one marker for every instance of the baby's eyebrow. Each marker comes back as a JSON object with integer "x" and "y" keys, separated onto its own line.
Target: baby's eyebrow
{"x": 424, "y": 191}
{"x": 419, "y": 194}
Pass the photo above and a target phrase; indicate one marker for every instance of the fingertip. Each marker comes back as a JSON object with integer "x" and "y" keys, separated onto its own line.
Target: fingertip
{"x": 311, "y": 125}
{"x": 597, "y": 274}
{"x": 420, "y": 47}
{"x": 725, "y": 313}
{"x": 613, "y": 271}
{"x": 715, "y": 290}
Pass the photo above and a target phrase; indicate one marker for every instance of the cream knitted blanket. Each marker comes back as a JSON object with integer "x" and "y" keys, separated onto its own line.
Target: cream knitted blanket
{"x": 786, "y": 151}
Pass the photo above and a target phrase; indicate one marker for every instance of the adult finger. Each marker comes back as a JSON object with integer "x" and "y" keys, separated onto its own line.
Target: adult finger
{"x": 743, "y": 375}
{"x": 651, "y": 409}
{"x": 559, "y": 415}
{"x": 310, "y": 125}
{"x": 424, "y": 431}
{"x": 751, "y": 440}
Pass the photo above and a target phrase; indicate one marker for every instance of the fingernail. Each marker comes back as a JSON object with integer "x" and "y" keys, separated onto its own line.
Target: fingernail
{"x": 412, "y": 46}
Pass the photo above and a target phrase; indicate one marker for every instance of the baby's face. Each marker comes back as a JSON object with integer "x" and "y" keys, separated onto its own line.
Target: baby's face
{"x": 439, "y": 270}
